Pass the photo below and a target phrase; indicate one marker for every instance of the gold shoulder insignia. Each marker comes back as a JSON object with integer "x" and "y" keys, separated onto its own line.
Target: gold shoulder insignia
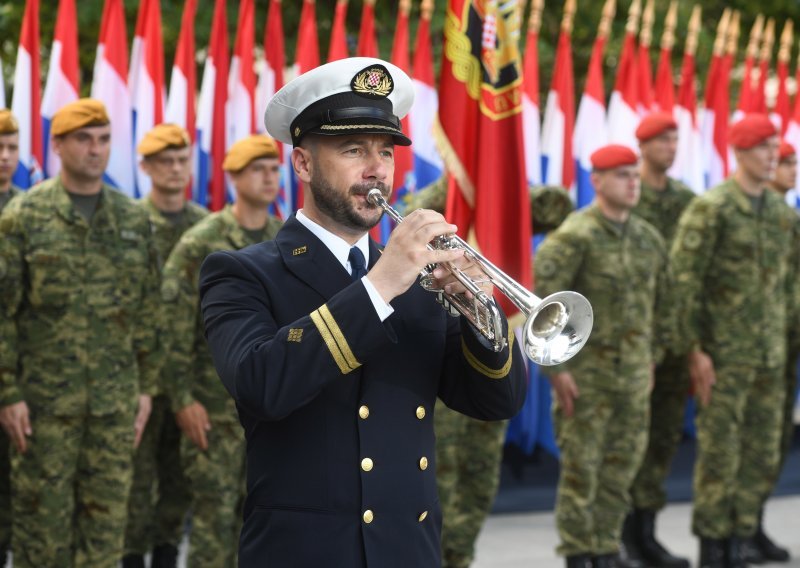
{"x": 295, "y": 335}
{"x": 299, "y": 250}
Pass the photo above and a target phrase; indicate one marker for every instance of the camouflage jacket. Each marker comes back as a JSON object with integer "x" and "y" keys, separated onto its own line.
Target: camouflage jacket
{"x": 190, "y": 372}
{"x": 78, "y": 303}
{"x": 734, "y": 271}
{"x": 624, "y": 273}
{"x": 13, "y": 191}
{"x": 662, "y": 209}
{"x": 166, "y": 234}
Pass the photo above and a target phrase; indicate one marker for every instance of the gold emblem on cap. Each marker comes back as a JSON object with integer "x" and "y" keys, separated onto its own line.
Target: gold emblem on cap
{"x": 296, "y": 131}
{"x": 373, "y": 81}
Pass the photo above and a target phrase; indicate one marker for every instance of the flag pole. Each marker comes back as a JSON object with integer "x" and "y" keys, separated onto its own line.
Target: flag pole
{"x": 648, "y": 18}
{"x": 569, "y": 16}
{"x": 787, "y": 37}
{"x": 670, "y": 23}
{"x": 694, "y": 31}
{"x": 535, "y": 17}
{"x": 606, "y": 18}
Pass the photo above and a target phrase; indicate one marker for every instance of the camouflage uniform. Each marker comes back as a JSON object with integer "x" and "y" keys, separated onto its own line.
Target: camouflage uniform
{"x": 5, "y": 446}
{"x": 662, "y": 209}
{"x": 733, "y": 269}
{"x": 155, "y": 519}
{"x": 623, "y": 271}
{"x": 217, "y": 475}
{"x": 78, "y": 347}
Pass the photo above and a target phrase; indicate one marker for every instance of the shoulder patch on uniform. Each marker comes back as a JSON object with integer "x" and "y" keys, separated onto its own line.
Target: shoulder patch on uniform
{"x": 169, "y": 290}
{"x": 692, "y": 239}
{"x": 545, "y": 267}
{"x": 295, "y": 335}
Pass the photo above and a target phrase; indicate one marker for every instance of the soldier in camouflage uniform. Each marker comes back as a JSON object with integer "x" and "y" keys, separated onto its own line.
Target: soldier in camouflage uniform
{"x": 155, "y": 519}
{"x": 9, "y": 157}
{"x": 601, "y": 410}
{"x": 733, "y": 261}
{"x": 78, "y": 356}
{"x": 469, "y": 451}
{"x": 662, "y": 201}
{"x": 214, "y": 446}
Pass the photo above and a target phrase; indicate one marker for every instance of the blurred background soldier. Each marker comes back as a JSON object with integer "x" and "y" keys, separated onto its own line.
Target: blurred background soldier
{"x": 155, "y": 520}
{"x": 213, "y": 450}
{"x": 733, "y": 263}
{"x": 601, "y": 412}
{"x": 9, "y": 157}
{"x": 661, "y": 204}
{"x": 78, "y": 362}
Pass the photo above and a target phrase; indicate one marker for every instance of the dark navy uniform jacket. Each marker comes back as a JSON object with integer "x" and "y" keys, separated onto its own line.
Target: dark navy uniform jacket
{"x": 337, "y": 406}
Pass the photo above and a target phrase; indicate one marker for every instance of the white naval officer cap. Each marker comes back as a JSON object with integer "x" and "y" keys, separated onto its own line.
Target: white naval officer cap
{"x": 354, "y": 95}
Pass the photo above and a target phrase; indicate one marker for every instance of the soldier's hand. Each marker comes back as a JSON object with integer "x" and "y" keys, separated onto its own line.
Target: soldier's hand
{"x": 447, "y": 281}
{"x": 701, "y": 371}
{"x": 142, "y": 415}
{"x": 193, "y": 421}
{"x": 566, "y": 391}
{"x": 407, "y": 253}
{"x": 15, "y": 420}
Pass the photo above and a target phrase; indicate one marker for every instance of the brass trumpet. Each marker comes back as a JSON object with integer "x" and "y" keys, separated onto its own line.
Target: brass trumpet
{"x": 556, "y": 327}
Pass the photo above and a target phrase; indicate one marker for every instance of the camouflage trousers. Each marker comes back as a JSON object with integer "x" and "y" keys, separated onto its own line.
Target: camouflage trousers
{"x": 738, "y": 449}
{"x": 602, "y": 445}
{"x": 70, "y": 491}
{"x": 787, "y": 428}
{"x": 5, "y": 494}
{"x": 468, "y": 454}
{"x": 217, "y": 483}
{"x": 159, "y": 496}
{"x": 667, "y": 406}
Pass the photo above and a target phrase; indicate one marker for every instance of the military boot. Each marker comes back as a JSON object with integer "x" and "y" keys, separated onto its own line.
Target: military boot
{"x": 615, "y": 561}
{"x": 133, "y": 561}
{"x": 651, "y": 551}
{"x": 769, "y": 550}
{"x": 579, "y": 561}
{"x": 750, "y": 551}
{"x": 712, "y": 553}
{"x": 733, "y": 553}
{"x": 629, "y": 547}
{"x": 165, "y": 556}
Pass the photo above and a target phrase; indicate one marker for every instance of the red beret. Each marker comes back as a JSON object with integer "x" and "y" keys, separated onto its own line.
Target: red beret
{"x": 654, "y": 124}
{"x": 752, "y": 130}
{"x": 786, "y": 150}
{"x": 613, "y": 156}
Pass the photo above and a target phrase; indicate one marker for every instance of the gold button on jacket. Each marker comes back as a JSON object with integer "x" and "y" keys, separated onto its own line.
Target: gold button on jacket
{"x": 420, "y": 412}
{"x": 368, "y": 516}
{"x": 366, "y": 464}
{"x": 423, "y": 463}
{"x": 423, "y": 516}
{"x": 363, "y": 412}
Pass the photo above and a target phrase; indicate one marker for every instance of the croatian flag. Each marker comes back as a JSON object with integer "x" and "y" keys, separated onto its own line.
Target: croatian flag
{"x": 337, "y": 48}
{"x": 590, "y": 125}
{"x": 109, "y": 85}
{"x": 714, "y": 124}
{"x": 688, "y": 165}
{"x": 792, "y": 136}
{"x": 403, "y": 155}
{"x": 428, "y": 166}
{"x": 25, "y": 103}
{"x": 623, "y": 116}
{"x": 180, "y": 102}
{"x": 62, "y": 78}
{"x": 241, "y": 119}
{"x": 146, "y": 80}
{"x": 531, "y": 117}
{"x": 211, "y": 130}
{"x": 558, "y": 167}
{"x": 270, "y": 80}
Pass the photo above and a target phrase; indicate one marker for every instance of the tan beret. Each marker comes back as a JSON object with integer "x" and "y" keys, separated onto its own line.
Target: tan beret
{"x": 77, "y": 114}
{"x": 161, "y": 137}
{"x": 8, "y": 124}
{"x": 248, "y": 149}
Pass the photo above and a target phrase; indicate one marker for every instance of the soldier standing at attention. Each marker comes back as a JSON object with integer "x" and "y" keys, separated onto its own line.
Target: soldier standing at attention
{"x": 9, "y": 158}
{"x": 761, "y": 548}
{"x": 77, "y": 368}
{"x": 601, "y": 411}
{"x": 214, "y": 449}
{"x": 157, "y": 524}
{"x": 733, "y": 258}
{"x": 661, "y": 204}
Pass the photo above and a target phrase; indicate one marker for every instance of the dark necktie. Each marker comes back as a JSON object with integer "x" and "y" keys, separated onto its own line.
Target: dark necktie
{"x": 357, "y": 263}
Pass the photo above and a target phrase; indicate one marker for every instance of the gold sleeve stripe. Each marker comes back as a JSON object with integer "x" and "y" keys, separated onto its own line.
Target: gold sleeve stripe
{"x": 339, "y": 337}
{"x": 329, "y": 341}
{"x": 483, "y": 369}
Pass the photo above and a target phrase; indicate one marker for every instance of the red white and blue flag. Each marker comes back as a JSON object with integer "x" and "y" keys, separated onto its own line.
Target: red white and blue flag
{"x": 403, "y": 155}
{"x": 688, "y": 166}
{"x": 241, "y": 119}
{"x": 211, "y": 187}
{"x": 109, "y": 85}
{"x": 590, "y": 124}
{"x": 531, "y": 116}
{"x": 367, "y": 42}
{"x": 26, "y": 103}
{"x": 146, "y": 80}
{"x": 714, "y": 127}
{"x": 62, "y": 77}
{"x": 337, "y": 48}
{"x": 623, "y": 107}
{"x": 428, "y": 166}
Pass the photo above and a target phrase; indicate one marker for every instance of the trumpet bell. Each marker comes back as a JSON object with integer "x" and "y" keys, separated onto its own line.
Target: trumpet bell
{"x": 557, "y": 328}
